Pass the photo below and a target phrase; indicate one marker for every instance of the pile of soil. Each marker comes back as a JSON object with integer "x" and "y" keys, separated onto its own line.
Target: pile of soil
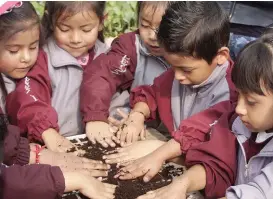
{"x": 126, "y": 189}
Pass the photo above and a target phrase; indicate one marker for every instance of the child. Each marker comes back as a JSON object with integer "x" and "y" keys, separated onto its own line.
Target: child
{"x": 251, "y": 125}
{"x": 19, "y": 41}
{"x": 199, "y": 78}
{"x": 46, "y": 102}
{"x": 135, "y": 59}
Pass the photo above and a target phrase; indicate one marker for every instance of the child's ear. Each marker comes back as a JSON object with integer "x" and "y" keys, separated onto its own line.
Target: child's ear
{"x": 222, "y": 55}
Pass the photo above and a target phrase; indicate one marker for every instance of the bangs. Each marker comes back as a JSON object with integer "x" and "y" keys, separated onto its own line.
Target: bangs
{"x": 253, "y": 68}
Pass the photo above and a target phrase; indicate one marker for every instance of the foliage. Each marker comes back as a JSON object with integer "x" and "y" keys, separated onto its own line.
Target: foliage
{"x": 121, "y": 16}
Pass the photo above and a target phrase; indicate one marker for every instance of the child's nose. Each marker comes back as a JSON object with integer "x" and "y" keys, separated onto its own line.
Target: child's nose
{"x": 240, "y": 108}
{"x": 75, "y": 37}
{"x": 179, "y": 76}
{"x": 25, "y": 58}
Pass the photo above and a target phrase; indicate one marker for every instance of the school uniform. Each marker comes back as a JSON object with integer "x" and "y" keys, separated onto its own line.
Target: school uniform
{"x": 174, "y": 102}
{"x": 48, "y": 97}
{"x": 108, "y": 83}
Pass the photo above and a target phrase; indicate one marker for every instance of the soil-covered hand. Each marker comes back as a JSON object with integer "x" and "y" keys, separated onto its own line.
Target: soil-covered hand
{"x": 70, "y": 162}
{"x": 176, "y": 190}
{"x": 133, "y": 151}
{"x": 56, "y": 142}
{"x": 95, "y": 189}
{"x": 132, "y": 128}
{"x": 98, "y": 131}
{"x": 147, "y": 166}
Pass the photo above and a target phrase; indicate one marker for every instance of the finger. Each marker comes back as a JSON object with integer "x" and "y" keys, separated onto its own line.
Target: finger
{"x": 143, "y": 134}
{"x": 115, "y": 139}
{"x": 135, "y": 137}
{"x": 91, "y": 138}
{"x": 118, "y": 135}
{"x": 102, "y": 142}
{"x": 91, "y": 161}
{"x": 111, "y": 186}
{"x": 98, "y": 173}
{"x": 148, "y": 195}
{"x": 149, "y": 175}
{"x": 114, "y": 121}
{"x": 109, "y": 141}
{"x": 112, "y": 156}
{"x": 133, "y": 174}
{"x": 92, "y": 166}
{"x": 122, "y": 114}
{"x": 123, "y": 136}
{"x": 129, "y": 137}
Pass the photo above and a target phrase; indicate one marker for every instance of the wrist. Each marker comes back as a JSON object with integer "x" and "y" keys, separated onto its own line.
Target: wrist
{"x": 137, "y": 115}
{"x": 49, "y": 133}
{"x": 72, "y": 181}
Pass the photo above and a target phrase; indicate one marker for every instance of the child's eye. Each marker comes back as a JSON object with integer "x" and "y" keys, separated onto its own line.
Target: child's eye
{"x": 145, "y": 26}
{"x": 63, "y": 29}
{"x": 33, "y": 48}
{"x": 87, "y": 30}
{"x": 250, "y": 103}
{"x": 13, "y": 51}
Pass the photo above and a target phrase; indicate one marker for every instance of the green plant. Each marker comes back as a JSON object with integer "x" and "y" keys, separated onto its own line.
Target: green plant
{"x": 121, "y": 16}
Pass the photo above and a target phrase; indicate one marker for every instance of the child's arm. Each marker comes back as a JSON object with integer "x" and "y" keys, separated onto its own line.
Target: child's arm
{"x": 108, "y": 73}
{"x": 16, "y": 148}
{"x": 261, "y": 187}
{"x": 29, "y": 107}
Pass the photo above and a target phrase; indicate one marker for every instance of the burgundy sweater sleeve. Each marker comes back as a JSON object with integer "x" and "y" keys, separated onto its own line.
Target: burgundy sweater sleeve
{"x": 31, "y": 181}
{"x": 108, "y": 73}
{"x": 29, "y": 106}
{"x": 151, "y": 93}
{"x": 218, "y": 156}
{"x": 193, "y": 130}
{"x": 16, "y": 148}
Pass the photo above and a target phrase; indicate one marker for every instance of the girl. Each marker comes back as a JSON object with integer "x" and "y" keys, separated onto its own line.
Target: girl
{"x": 135, "y": 59}
{"x": 19, "y": 41}
{"x": 46, "y": 102}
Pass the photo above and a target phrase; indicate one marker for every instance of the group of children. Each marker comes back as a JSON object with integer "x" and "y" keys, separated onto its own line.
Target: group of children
{"x": 59, "y": 79}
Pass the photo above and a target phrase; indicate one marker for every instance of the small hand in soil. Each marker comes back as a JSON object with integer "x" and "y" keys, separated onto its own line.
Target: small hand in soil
{"x": 95, "y": 189}
{"x": 100, "y": 132}
{"x": 70, "y": 162}
{"x": 131, "y": 152}
{"x": 147, "y": 166}
{"x": 115, "y": 123}
{"x": 56, "y": 142}
{"x": 132, "y": 129}
{"x": 176, "y": 190}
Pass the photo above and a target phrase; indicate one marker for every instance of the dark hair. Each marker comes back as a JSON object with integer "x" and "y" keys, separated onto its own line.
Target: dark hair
{"x": 14, "y": 21}
{"x": 254, "y": 65}
{"x": 56, "y": 9}
{"x": 197, "y": 29}
{"x": 3, "y": 126}
{"x": 154, "y": 4}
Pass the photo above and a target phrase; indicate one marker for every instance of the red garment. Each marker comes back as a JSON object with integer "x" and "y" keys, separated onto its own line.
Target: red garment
{"x": 158, "y": 98}
{"x": 106, "y": 75}
{"x": 31, "y": 182}
{"x": 217, "y": 152}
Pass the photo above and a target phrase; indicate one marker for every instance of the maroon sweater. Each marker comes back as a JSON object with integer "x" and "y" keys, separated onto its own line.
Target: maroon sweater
{"x": 29, "y": 181}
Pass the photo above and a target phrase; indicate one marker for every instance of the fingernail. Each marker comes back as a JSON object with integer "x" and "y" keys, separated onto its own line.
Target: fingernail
{"x": 145, "y": 179}
{"x": 103, "y": 157}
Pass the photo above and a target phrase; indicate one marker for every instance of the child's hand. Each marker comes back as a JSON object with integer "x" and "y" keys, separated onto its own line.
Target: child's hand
{"x": 148, "y": 166}
{"x": 99, "y": 131}
{"x": 115, "y": 123}
{"x": 176, "y": 190}
{"x": 70, "y": 162}
{"x": 88, "y": 185}
{"x": 95, "y": 189}
{"x": 132, "y": 128}
{"x": 133, "y": 151}
{"x": 56, "y": 142}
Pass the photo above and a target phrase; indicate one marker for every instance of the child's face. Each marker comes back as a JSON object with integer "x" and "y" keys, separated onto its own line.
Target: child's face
{"x": 78, "y": 33}
{"x": 192, "y": 71}
{"x": 149, "y": 21}
{"x": 19, "y": 53}
{"x": 256, "y": 110}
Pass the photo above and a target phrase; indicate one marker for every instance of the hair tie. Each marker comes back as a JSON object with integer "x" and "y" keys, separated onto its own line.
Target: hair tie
{"x": 8, "y": 6}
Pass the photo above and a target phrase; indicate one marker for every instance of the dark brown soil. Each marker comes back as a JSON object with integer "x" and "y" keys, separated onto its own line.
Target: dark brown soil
{"x": 129, "y": 189}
